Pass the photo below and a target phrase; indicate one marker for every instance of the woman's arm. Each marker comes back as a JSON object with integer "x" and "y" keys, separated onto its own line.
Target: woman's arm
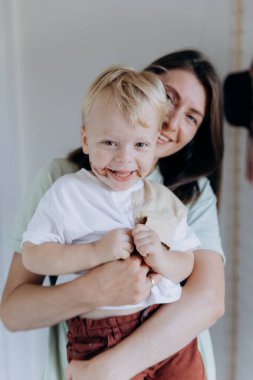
{"x": 168, "y": 330}
{"x": 27, "y": 305}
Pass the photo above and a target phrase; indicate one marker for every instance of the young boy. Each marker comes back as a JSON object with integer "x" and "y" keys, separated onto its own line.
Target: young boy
{"x": 93, "y": 217}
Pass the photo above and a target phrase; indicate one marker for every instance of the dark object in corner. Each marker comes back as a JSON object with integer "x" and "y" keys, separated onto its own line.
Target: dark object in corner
{"x": 238, "y": 99}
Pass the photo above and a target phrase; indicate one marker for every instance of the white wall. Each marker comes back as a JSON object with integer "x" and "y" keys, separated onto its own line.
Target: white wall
{"x": 245, "y": 225}
{"x": 15, "y": 350}
{"x": 63, "y": 46}
{"x": 51, "y": 51}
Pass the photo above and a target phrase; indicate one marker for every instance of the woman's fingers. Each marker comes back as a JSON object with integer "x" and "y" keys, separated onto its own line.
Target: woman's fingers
{"x": 120, "y": 282}
{"x": 154, "y": 278}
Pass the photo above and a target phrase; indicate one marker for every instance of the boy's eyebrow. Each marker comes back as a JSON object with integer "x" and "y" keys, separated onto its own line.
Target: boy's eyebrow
{"x": 143, "y": 123}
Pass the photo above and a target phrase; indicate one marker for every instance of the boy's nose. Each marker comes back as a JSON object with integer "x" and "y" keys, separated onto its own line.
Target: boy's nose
{"x": 124, "y": 155}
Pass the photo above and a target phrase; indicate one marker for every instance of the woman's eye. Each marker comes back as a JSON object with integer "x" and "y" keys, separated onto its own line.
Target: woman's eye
{"x": 170, "y": 98}
{"x": 192, "y": 119}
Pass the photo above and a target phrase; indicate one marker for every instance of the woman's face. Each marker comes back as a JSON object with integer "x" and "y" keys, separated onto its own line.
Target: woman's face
{"x": 186, "y": 110}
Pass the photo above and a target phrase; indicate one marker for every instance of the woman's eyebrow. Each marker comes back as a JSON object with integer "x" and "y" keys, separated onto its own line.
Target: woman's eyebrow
{"x": 193, "y": 110}
{"x": 173, "y": 90}
{"x": 178, "y": 97}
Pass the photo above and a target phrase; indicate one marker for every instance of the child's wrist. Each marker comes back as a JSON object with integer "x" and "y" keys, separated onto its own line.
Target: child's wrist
{"x": 160, "y": 264}
{"x": 98, "y": 256}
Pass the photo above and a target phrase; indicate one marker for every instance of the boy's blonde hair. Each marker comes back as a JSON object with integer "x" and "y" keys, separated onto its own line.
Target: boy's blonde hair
{"x": 130, "y": 90}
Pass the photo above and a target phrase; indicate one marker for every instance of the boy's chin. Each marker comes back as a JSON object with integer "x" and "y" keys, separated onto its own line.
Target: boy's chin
{"x": 120, "y": 186}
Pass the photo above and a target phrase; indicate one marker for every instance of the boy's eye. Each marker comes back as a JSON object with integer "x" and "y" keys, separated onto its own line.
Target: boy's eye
{"x": 108, "y": 142}
{"x": 141, "y": 145}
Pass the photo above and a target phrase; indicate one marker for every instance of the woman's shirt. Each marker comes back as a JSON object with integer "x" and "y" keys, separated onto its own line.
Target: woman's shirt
{"x": 202, "y": 218}
{"x": 202, "y": 215}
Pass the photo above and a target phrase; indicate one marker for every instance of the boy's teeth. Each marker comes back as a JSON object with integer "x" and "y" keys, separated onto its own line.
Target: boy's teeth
{"x": 119, "y": 174}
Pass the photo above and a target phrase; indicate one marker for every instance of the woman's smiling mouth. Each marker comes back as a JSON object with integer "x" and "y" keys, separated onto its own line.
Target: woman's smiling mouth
{"x": 164, "y": 139}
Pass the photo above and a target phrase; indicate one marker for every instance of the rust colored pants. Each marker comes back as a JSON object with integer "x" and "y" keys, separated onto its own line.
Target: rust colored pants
{"x": 87, "y": 338}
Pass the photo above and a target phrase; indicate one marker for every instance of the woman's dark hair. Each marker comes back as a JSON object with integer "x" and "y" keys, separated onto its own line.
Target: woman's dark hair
{"x": 203, "y": 155}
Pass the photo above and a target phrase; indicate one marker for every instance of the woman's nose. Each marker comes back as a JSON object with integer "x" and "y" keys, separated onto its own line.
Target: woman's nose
{"x": 172, "y": 122}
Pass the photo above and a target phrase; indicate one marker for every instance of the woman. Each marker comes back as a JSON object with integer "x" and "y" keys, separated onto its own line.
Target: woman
{"x": 191, "y": 147}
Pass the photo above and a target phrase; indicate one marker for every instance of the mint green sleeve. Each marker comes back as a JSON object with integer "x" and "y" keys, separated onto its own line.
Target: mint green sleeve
{"x": 203, "y": 219}
{"x": 41, "y": 183}
{"x": 56, "y": 361}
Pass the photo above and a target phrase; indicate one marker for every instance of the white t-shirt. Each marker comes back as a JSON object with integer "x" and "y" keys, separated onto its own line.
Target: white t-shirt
{"x": 79, "y": 208}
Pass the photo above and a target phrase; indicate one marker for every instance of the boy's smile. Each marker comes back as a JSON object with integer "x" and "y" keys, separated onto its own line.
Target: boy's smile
{"x": 120, "y": 153}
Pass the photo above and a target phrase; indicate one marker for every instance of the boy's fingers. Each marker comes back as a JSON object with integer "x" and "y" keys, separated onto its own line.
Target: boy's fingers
{"x": 140, "y": 227}
{"x": 141, "y": 235}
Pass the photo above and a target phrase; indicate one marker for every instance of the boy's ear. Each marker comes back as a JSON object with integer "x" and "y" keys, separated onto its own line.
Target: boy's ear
{"x": 84, "y": 140}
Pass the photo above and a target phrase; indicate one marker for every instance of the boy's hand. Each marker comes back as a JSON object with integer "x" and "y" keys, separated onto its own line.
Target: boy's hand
{"x": 149, "y": 246}
{"x": 116, "y": 244}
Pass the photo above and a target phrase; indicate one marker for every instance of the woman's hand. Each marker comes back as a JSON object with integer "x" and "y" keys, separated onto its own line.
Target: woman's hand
{"x": 78, "y": 370}
{"x": 120, "y": 282}
{"x": 26, "y": 304}
{"x": 85, "y": 370}
{"x": 93, "y": 369}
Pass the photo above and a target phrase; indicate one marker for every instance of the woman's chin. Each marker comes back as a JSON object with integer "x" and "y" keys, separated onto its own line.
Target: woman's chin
{"x": 164, "y": 150}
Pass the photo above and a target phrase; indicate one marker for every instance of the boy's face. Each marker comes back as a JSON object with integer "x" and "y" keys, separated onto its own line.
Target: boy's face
{"x": 120, "y": 153}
